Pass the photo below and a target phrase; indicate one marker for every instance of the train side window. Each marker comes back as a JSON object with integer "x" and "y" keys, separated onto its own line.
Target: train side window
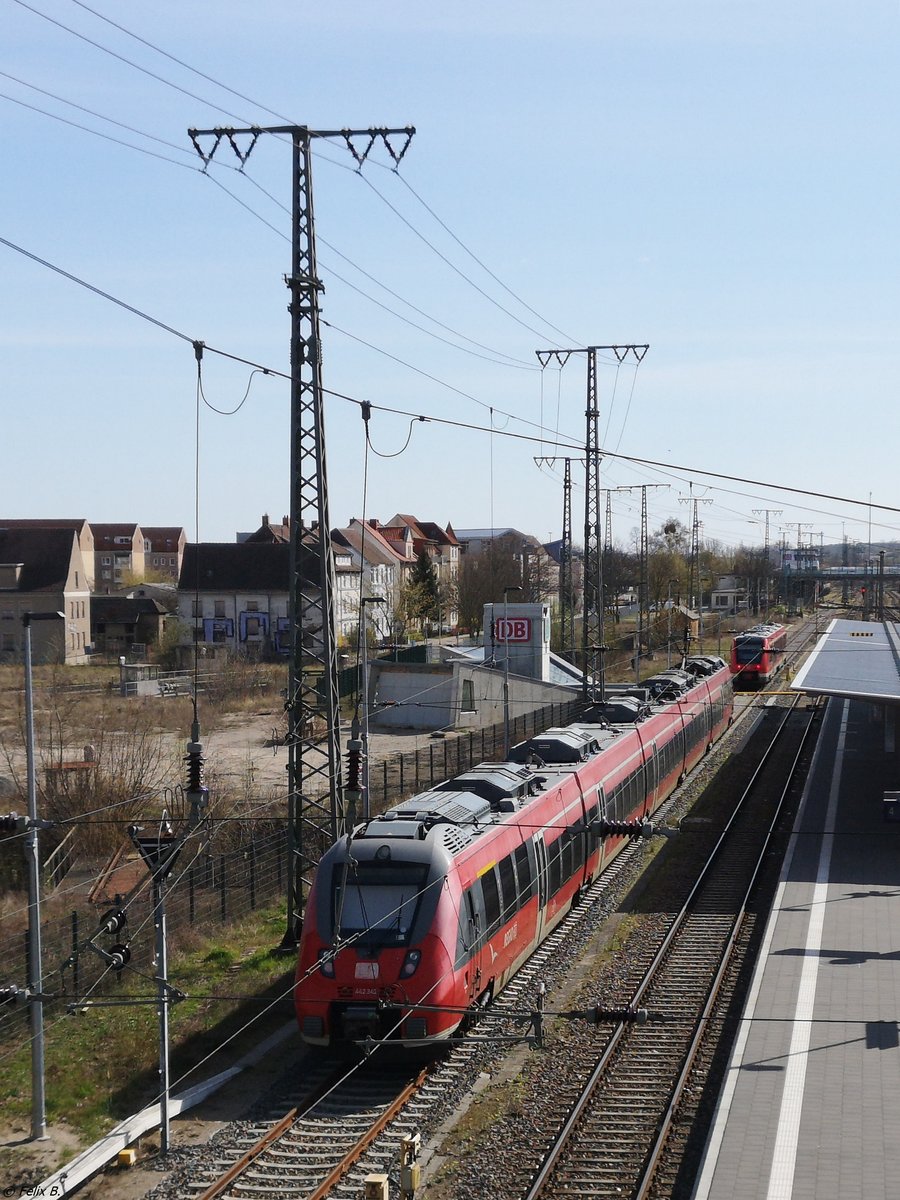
{"x": 508, "y": 887}
{"x": 568, "y": 841}
{"x": 555, "y": 866}
{"x": 523, "y": 870}
{"x": 491, "y": 893}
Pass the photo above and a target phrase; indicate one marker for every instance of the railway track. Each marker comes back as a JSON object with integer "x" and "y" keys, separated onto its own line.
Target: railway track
{"x": 614, "y": 1139}
{"x": 345, "y": 1127}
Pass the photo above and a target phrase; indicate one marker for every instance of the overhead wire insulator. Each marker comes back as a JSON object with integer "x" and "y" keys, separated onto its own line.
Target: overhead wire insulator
{"x": 355, "y": 759}
{"x": 630, "y": 829}
{"x": 194, "y": 760}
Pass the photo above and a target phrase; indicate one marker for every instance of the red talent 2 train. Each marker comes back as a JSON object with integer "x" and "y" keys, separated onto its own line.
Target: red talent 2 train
{"x": 757, "y": 654}
{"x": 427, "y": 910}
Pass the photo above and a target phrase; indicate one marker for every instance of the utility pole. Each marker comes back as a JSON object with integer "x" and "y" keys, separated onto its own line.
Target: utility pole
{"x": 767, "y": 512}
{"x": 592, "y": 608}
{"x": 316, "y": 815}
{"x": 643, "y": 600}
{"x": 566, "y": 579}
{"x": 35, "y": 986}
{"x": 566, "y": 588}
{"x": 694, "y": 569}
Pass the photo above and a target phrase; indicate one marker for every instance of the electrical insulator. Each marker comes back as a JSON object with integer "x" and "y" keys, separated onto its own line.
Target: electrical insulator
{"x": 194, "y": 760}
{"x": 354, "y": 764}
{"x": 632, "y": 829}
{"x": 119, "y": 956}
{"x": 112, "y": 921}
{"x": 12, "y": 994}
{"x": 636, "y": 1016}
{"x": 9, "y": 822}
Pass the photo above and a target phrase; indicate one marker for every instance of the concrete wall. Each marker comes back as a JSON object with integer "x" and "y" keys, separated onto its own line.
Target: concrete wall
{"x": 431, "y": 696}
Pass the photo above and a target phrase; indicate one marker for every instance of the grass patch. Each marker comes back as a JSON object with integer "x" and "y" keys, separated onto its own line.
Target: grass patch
{"x": 101, "y": 1064}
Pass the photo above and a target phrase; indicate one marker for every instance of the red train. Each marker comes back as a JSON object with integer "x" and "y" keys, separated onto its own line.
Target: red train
{"x": 428, "y": 909}
{"x": 757, "y": 654}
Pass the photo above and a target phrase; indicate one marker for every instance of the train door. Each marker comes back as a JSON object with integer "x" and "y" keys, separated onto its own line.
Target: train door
{"x": 473, "y": 937}
{"x": 651, "y": 774}
{"x": 540, "y": 854}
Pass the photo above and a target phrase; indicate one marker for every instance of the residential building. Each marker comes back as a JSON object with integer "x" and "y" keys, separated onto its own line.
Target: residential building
{"x": 380, "y": 568}
{"x": 409, "y": 537}
{"x": 119, "y": 555}
{"x": 346, "y": 593}
{"x": 82, "y": 529}
{"x": 42, "y": 570}
{"x": 268, "y": 532}
{"x": 163, "y": 551}
{"x": 235, "y": 596}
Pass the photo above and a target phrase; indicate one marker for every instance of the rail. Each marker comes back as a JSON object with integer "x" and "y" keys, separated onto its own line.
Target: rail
{"x": 705, "y": 948}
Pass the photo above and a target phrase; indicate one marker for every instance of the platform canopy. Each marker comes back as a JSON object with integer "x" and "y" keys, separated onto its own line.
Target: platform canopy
{"x": 856, "y": 659}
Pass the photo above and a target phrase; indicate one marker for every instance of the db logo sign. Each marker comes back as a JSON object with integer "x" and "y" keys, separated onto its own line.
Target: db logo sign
{"x": 512, "y": 629}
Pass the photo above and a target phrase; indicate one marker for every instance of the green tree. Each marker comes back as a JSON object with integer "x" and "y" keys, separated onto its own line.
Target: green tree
{"x": 423, "y": 592}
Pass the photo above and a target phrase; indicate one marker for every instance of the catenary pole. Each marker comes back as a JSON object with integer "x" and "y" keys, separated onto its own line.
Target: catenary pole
{"x": 316, "y": 812}
{"x": 593, "y": 605}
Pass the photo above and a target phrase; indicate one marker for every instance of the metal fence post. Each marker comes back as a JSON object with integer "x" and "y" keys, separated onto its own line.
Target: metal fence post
{"x": 76, "y": 972}
{"x": 191, "y": 898}
{"x": 223, "y": 894}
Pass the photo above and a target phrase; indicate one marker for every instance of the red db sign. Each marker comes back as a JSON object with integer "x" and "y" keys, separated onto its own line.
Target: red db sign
{"x": 512, "y": 629}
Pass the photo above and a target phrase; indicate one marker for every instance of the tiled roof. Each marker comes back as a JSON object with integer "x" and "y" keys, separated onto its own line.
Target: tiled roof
{"x": 105, "y": 535}
{"x": 163, "y": 537}
{"x": 77, "y": 523}
{"x": 45, "y": 554}
{"x": 236, "y": 566}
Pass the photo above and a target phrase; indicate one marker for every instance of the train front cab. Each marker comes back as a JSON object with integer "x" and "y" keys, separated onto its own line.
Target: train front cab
{"x": 390, "y": 915}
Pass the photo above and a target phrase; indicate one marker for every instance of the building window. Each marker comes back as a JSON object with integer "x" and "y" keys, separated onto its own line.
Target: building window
{"x": 106, "y": 560}
{"x": 196, "y": 608}
{"x": 252, "y": 606}
{"x": 105, "y": 574}
{"x": 9, "y": 641}
{"x": 253, "y": 627}
{"x": 7, "y": 615}
{"x": 468, "y": 695}
{"x": 220, "y": 608}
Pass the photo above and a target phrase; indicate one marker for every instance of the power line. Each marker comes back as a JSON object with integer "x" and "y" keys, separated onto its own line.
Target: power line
{"x": 128, "y": 62}
{"x": 630, "y": 458}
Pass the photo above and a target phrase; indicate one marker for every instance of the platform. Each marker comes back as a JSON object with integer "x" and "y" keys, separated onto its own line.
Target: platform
{"x": 856, "y": 659}
{"x": 809, "y": 1107}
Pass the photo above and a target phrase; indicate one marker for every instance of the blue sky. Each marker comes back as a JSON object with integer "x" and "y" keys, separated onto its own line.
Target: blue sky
{"x": 718, "y": 180}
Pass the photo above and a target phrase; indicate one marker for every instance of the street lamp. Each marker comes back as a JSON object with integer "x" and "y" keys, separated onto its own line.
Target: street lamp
{"x": 506, "y": 591}
{"x": 33, "y": 868}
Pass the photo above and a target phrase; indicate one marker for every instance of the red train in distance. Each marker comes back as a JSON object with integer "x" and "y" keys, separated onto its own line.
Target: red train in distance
{"x": 757, "y": 654}
{"x": 427, "y": 910}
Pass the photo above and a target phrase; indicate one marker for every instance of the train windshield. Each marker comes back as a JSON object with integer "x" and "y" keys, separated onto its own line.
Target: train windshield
{"x": 378, "y": 901}
{"x": 748, "y": 650}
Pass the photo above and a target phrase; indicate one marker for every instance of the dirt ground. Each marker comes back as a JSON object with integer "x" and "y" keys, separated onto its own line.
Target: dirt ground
{"x": 240, "y": 749}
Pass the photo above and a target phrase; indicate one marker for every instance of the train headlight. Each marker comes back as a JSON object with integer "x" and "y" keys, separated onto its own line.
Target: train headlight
{"x": 410, "y": 963}
{"x": 326, "y": 962}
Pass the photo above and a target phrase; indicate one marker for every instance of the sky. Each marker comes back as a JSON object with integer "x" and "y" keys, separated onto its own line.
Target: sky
{"x": 716, "y": 180}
